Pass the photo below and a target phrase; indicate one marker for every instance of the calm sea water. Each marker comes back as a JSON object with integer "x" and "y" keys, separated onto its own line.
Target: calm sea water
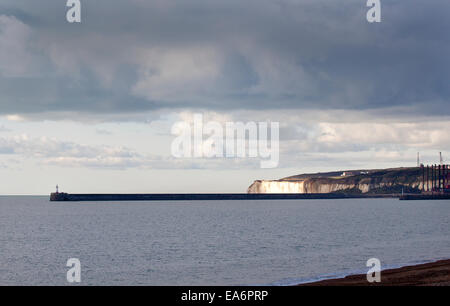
{"x": 214, "y": 243}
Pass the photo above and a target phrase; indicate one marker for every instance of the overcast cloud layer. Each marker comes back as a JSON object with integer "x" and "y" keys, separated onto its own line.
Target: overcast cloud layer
{"x": 95, "y": 102}
{"x": 134, "y": 56}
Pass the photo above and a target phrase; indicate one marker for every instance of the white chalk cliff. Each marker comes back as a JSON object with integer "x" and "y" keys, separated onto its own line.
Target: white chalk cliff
{"x": 379, "y": 181}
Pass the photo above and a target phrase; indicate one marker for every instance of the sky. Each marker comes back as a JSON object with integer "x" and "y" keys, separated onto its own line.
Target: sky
{"x": 90, "y": 106}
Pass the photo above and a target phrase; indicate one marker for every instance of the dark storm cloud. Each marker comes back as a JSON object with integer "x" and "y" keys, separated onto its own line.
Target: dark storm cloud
{"x": 135, "y": 56}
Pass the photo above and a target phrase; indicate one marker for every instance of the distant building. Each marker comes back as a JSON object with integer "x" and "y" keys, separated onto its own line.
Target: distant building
{"x": 353, "y": 173}
{"x": 348, "y": 173}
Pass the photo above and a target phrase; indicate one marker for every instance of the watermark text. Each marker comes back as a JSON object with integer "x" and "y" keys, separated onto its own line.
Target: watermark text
{"x": 230, "y": 140}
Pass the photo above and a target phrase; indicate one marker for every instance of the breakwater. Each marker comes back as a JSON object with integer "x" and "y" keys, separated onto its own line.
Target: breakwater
{"x": 436, "y": 196}
{"x": 67, "y": 197}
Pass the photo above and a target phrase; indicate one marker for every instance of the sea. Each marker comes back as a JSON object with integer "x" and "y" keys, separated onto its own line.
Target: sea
{"x": 196, "y": 243}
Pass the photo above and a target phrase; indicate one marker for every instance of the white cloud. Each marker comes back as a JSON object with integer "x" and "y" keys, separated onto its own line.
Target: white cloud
{"x": 47, "y": 149}
{"x": 53, "y": 152}
{"x": 419, "y": 135}
{"x": 14, "y": 118}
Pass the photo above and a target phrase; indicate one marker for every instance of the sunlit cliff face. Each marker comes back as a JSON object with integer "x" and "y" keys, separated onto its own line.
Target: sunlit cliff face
{"x": 277, "y": 187}
{"x": 310, "y": 186}
{"x": 306, "y": 186}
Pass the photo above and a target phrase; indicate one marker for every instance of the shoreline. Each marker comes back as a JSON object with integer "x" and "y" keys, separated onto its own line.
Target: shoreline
{"x": 435, "y": 273}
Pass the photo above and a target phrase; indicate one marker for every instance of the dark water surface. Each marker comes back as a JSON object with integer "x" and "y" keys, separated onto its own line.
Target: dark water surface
{"x": 214, "y": 242}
